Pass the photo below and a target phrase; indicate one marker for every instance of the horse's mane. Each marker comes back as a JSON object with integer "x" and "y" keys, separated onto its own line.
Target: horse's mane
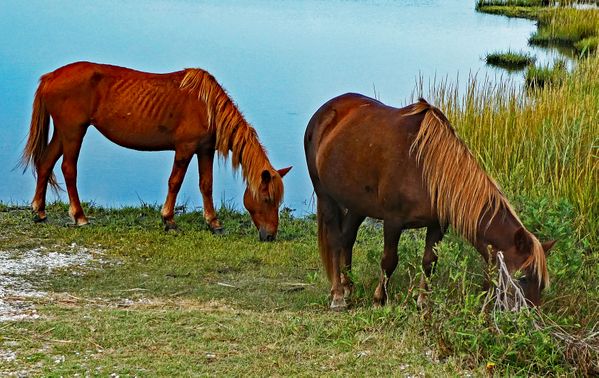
{"x": 233, "y": 132}
{"x": 461, "y": 191}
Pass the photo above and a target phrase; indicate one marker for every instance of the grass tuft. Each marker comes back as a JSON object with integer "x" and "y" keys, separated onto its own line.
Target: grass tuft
{"x": 541, "y": 76}
{"x": 509, "y": 60}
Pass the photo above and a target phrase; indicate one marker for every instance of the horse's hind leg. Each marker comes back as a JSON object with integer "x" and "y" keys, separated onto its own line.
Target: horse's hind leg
{"x": 205, "y": 163}
{"x": 44, "y": 170}
{"x": 71, "y": 146}
{"x": 434, "y": 234}
{"x": 392, "y": 232}
{"x": 182, "y": 158}
{"x": 330, "y": 243}
{"x": 350, "y": 226}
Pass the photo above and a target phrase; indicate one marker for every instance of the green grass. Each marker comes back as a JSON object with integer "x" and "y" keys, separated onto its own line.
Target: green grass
{"x": 191, "y": 303}
{"x": 510, "y": 60}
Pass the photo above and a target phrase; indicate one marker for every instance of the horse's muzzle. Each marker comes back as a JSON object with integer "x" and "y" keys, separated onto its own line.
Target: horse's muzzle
{"x": 266, "y": 236}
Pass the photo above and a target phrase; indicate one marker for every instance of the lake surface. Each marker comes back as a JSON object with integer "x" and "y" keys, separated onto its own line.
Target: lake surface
{"x": 279, "y": 60}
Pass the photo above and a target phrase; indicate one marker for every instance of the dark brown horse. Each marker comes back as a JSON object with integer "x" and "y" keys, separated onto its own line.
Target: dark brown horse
{"x": 407, "y": 167}
{"x": 185, "y": 111}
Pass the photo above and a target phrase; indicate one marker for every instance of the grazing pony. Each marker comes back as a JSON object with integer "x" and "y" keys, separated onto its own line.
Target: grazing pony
{"x": 185, "y": 111}
{"x": 409, "y": 168}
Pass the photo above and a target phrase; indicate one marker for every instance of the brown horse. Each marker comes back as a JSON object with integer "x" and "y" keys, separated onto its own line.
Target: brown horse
{"x": 407, "y": 167}
{"x": 185, "y": 111}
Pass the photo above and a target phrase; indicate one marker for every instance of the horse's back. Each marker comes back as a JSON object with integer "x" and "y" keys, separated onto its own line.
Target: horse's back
{"x": 354, "y": 121}
{"x": 135, "y": 109}
{"x": 358, "y": 152}
{"x": 78, "y": 77}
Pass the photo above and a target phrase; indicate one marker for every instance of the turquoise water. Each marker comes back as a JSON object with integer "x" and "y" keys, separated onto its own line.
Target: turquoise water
{"x": 279, "y": 60}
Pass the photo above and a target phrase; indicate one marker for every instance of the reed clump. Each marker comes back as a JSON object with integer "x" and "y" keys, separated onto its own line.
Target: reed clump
{"x": 550, "y": 74}
{"x": 510, "y": 60}
{"x": 542, "y": 143}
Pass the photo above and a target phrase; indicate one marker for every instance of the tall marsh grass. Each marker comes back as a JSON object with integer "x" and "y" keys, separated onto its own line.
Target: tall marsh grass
{"x": 567, "y": 26}
{"x": 542, "y": 143}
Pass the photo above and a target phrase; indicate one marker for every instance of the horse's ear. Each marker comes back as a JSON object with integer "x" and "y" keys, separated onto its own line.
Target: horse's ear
{"x": 547, "y": 246}
{"x": 283, "y": 171}
{"x": 522, "y": 241}
{"x": 266, "y": 176}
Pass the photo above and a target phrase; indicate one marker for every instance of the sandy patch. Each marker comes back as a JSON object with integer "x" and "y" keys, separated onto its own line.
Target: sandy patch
{"x": 17, "y": 288}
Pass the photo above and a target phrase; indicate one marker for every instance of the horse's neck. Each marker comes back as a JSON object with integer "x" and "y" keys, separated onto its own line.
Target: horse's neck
{"x": 497, "y": 232}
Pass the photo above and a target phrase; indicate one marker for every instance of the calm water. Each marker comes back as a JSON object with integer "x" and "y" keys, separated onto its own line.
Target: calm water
{"x": 279, "y": 60}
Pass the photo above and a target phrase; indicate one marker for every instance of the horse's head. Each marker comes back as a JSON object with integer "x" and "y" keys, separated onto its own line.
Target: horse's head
{"x": 263, "y": 204}
{"x": 527, "y": 255}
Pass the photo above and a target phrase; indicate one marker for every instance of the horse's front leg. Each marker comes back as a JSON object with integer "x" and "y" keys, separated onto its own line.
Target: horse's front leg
{"x": 72, "y": 138}
{"x": 205, "y": 163}
{"x": 392, "y": 233}
{"x": 182, "y": 158}
{"x": 434, "y": 234}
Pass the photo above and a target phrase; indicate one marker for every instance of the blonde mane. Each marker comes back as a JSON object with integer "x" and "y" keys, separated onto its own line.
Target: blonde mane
{"x": 233, "y": 132}
{"x": 461, "y": 191}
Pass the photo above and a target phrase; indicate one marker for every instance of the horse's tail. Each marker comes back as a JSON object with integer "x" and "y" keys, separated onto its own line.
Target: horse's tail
{"x": 37, "y": 142}
{"x": 323, "y": 246}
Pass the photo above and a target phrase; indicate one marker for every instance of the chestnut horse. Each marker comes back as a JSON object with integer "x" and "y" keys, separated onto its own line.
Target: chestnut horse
{"x": 407, "y": 167}
{"x": 185, "y": 111}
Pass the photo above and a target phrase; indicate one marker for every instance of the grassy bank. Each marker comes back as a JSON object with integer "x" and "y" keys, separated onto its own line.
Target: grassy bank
{"x": 194, "y": 303}
{"x": 562, "y": 26}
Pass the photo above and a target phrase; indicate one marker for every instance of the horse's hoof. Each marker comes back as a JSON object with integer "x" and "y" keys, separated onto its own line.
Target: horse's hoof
{"x": 170, "y": 227}
{"x": 379, "y": 302}
{"x": 38, "y": 219}
{"x": 217, "y": 230}
{"x": 339, "y": 304}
